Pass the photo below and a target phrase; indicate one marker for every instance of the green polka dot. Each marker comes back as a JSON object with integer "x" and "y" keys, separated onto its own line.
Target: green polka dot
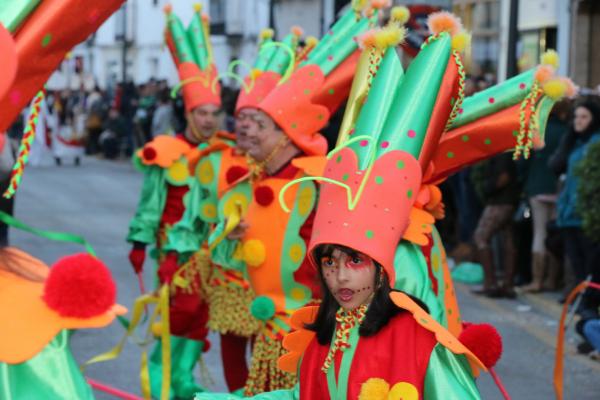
{"x": 409, "y": 193}
{"x": 465, "y": 138}
{"x": 294, "y": 125}
{"x": 449, "y": 311}
{"x": 423, "y": 320}
{"x": 306, "y": 91}
{"x": 400, "y": 164}
{"x": 338, "y": 159}
{"x": 515, "y": 133}
{"x": 452, "y": 101}
{"x": 369, "y": 234}
{"x": 46, "y": 39}
{"x": 331, "y": 91}
{"x": 487, "y": 141}
{"x": 345, "y": 177}
{"x": 320, "y": 117}
{"x": 450, "y": 154}
{"x": 378, "y": 180}
{"x": 311, "y": 73}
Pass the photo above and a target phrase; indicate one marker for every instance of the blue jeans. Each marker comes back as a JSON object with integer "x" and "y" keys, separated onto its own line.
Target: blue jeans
{"x": 591, "y": 330}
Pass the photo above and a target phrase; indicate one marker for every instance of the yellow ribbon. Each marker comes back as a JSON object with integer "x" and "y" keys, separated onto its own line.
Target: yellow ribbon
{"x": 162, "y": 308}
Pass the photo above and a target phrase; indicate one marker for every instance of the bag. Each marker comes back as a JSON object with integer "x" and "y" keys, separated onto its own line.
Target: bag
{"x": 523, "y": 212}
{"x": 94, "y": 122}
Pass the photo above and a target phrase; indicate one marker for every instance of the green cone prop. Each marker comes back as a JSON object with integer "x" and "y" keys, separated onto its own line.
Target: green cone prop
{"x": 13, "y": 13}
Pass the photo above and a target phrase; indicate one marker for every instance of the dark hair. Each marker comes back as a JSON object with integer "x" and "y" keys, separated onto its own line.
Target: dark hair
{"x": 379, "y": 313}
{"x": 592, "y": 106}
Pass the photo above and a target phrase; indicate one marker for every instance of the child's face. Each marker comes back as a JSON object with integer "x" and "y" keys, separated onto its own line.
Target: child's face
{"x": 350, "y": 279}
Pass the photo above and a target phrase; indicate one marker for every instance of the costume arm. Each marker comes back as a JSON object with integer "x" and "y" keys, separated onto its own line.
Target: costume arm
{"x": 449, "y": 377}
{"x": 144, "y": 225}
{"x": 227, "y": 253}
{"x": 289, "y": 394}
{"x": 188, "y": 234}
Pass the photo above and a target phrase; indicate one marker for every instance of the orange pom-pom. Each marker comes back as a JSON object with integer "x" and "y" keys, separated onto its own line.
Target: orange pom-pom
{"x": 205, "y": 18}
{"x": 168, "y": 8}
{"x": 379, "y": 4}
{"x": 80, "y": 286}
{"x": 544, "y": 73}
{"x": 367, "y": 39}
{"x": 571, "y": 88}
{"x": 444, "y": 21}
{"x": 297, "y": 30}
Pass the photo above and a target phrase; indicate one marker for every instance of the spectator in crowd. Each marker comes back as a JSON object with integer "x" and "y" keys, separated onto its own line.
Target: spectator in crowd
{"x": 114, "y": 134}
{"x": 584, "y": 130}
{"x": 495, "y": 181}
{"x": 540, "y": 189}
{"x": 96, "y": 112}
{"x": 162, "y": 120}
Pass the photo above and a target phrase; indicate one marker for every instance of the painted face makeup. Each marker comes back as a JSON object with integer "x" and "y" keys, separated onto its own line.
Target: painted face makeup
{"x": 349, "y": 278}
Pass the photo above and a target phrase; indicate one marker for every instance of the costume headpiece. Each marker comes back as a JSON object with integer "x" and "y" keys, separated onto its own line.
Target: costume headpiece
{"x": 302, "y": 105}
{"x": 43, "y": 32}
{"x": 192, "y": 53}
{"x": 372, "y": 182}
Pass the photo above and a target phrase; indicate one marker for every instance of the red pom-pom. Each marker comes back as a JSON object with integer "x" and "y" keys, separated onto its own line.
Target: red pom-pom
{"x": 234, "y": 173}
{"x": 207, "y": 346}
{"x": 264, "y": 195}
{"x": 80, "y": 286}
{"x": 484, "y": 341}
{"x": 149, "y": 153}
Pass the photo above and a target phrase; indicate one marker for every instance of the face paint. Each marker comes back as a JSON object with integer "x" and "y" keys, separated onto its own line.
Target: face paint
{"x": 349, "y": 278}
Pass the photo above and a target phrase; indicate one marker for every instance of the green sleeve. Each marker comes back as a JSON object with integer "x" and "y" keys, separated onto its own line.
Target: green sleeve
{"x": 187, "y": 235}
{"x": 412, "y": 277}
{"x": 289, "y": 394}
{"x": 223, "y": 253}
{"x": 144, "y": 225}
{"x": 449, "y": 377}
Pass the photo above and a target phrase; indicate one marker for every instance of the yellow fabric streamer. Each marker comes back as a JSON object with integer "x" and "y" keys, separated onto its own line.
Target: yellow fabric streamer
{"x": 162, "y": 308}
{"x": 233, "y": 220}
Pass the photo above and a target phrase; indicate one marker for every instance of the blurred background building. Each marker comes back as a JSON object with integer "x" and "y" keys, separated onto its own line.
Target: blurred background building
{"x": 508, "y": 36}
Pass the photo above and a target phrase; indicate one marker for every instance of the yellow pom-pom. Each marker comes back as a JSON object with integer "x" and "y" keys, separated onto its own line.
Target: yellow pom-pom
{"x": 298, "y": 31}
{"x": 156, "y": 329}
{"x": 400, "y": 14}
{"x": 374, "y": 389}
{"x": 168, "y": 8}
{"x": 555, "y": 89}
{"x": 359, "y": 5}
{"x": 311, "y": 41}
{"x": 379, "y": 4}
{"x": 544, "y": 73}
{"x": 403, "y": 391}
{"x": 461, "y": 41}
{"x": 444, "y": 21}
{"x": 389, "y": 36}
{"x": 551, "y": 58}
{"x": 267, "y": 33}
{"x": 197, "y": 7}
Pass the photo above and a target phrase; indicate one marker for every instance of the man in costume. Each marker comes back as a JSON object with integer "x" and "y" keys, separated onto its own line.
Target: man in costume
{"x": 280, "y": 128}
{"x": 218, "y": 173}
{"x": 166, "y": 162}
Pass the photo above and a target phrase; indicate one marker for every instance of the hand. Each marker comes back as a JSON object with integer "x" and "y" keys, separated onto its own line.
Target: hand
{"x": 168, "y": 268}
{"x": 239, "y": 231}
{"x": 137, "y": 255}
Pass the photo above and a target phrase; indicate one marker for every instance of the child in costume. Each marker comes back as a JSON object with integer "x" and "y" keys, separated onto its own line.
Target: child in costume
{"x": 224, "y": 171}
{"x": 269, "y": 245}
{"x": 166, "y": 165}
{"x": 38, "y": 306}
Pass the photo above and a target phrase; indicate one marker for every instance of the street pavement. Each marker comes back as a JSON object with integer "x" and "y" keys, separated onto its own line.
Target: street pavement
{"x": 97, "y": 200}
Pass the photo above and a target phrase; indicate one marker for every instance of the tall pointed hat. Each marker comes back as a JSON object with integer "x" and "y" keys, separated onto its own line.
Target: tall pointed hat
{"x": 371, "y": 180}
{"x": 509, "y": 115}
{"x": 192, "y": 53}
{"x": 274, "y": 63}
{"x": 302, "y": 104}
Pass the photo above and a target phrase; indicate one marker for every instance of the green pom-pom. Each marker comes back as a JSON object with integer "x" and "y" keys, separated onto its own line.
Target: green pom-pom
{"x": 137, "y": 163}
{"x": 262, "y": 308}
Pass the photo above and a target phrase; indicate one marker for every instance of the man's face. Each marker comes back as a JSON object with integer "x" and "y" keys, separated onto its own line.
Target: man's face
{"x": 242, "y": 119}
{"x": 258, "y": 133}
{"x": 204, "y": 121}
